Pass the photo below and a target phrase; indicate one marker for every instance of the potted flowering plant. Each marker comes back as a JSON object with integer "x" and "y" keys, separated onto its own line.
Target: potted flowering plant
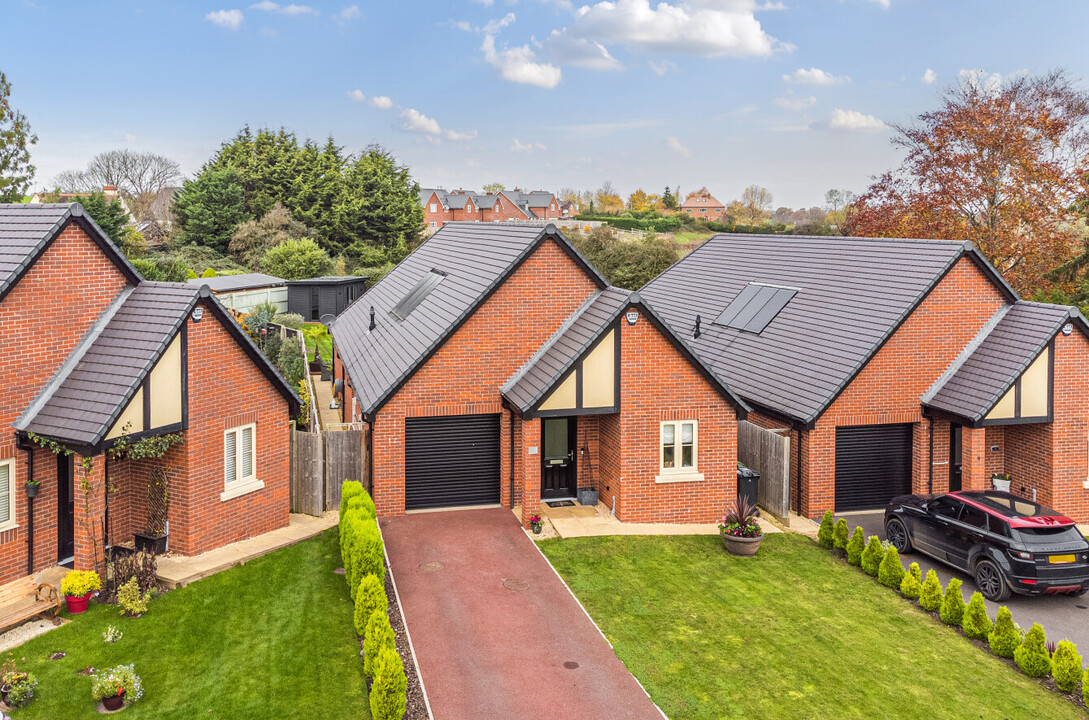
{"x": 1001, "y": 481}
{"x": 116, "y": 686}
{"x": 535, "y": 524}
{"x": 741, "y": 533}
{"x": 31, "y": 487}
{"x": 77, "y": 586}
{"x": 16, "y": 688}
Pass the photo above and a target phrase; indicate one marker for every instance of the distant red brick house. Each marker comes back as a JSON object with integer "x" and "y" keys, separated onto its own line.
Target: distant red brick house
{"x": 93, "y": 353}
{"x": 495, "y": 365}
{"x": 442, "y": 206}
{"x": 703, "y": 206}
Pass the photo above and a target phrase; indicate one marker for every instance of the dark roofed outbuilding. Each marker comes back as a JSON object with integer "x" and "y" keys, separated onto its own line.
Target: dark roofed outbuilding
{"x": 324, "y": 297}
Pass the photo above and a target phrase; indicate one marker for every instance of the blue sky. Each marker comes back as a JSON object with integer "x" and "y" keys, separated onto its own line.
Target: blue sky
{"x": 794, "y": 95}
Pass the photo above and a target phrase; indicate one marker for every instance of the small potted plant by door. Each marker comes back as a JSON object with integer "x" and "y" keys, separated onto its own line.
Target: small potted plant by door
{"x": 158, "y": 504}
{"x": 77, "y": 588}
{"x": 741, "y": 533}
{"x": 116, "y": 687}
{"x": 1001, "y": 481}
{"x": 535, "y": 524}
{"x": 32, "y": 487}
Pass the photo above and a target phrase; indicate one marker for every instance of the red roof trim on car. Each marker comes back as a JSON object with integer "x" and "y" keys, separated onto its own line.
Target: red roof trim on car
{"x": 1019, "y": 522}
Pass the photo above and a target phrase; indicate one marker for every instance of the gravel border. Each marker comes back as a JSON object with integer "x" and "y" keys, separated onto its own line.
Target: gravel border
{"x": 416, "y": 705}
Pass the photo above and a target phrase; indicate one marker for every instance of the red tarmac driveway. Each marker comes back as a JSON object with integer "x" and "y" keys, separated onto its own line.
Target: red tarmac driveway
{"x": 496, "y": 632}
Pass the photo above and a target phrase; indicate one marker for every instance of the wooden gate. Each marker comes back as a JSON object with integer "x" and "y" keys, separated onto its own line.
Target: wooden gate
{"x": 320, "y": 462}
{"x": 768, "y": 453}
{"x": 345, "y": 459}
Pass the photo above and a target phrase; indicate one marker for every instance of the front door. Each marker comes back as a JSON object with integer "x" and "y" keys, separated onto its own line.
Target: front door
{"x": 66, "y": 507}
{"x": 559, "y": 470}
{"x": 954, "y": 457}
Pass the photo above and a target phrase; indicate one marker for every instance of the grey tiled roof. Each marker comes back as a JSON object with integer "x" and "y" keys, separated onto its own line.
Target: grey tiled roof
{"x": 1003, "y": 350}
{"x": 852, "y": 295}
{"x": 457, "y": 202}
{"x": 231, "y": 283}
{"x": 565, "y": 347}
{"x": 477, "y": 257}
{"x": 90, "y": 391}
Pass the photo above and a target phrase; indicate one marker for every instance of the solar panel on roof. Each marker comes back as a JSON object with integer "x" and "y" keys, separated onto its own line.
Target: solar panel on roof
{"x": 755, "y": 307}
{"x": 417, "y": 294}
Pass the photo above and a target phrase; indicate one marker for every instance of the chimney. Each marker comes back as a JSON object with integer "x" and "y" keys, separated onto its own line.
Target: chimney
{"x": 372, "y": 326}
{"x": 110, "y": 191}
{"x": 697, "y": 333}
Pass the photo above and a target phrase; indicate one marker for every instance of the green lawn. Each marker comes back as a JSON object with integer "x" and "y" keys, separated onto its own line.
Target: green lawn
{"x": 271, "y": 639}
{"x": 685, "y": 237}
{"x": 792, "y": 633}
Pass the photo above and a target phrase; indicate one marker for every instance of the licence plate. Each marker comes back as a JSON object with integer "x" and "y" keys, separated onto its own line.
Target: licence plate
{"x": 1058, "y": 559}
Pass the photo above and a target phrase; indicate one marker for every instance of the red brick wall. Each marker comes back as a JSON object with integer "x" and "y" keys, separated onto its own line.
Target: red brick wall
{"x": 609, "y": 486}
{"x": 889, "y": 387}
{"x": 1070, "y": 429}
{"x": 464, "y": 376}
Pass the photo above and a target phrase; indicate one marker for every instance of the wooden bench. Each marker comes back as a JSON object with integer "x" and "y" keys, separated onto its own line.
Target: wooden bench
{"x": 22, "y": 599}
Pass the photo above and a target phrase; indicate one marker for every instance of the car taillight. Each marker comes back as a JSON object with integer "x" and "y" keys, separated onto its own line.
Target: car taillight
{"x": 1021, "y": 554}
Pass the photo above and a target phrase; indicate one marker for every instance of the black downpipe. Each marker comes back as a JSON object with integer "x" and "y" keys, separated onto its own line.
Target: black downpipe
{"x": 29, "y": 508}
{"x": 930, "y": 474}
{"x": 370, "y": 455}
{"x": 106, "y": 501}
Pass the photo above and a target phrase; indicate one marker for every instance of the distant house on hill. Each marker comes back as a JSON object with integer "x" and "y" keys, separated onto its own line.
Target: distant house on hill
{"x": 704, "y": 205}
{"x": 443, "y": 206}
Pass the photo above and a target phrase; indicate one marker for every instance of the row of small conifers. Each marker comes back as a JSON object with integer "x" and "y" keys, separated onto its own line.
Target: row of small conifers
{"x": 1033, "y": 654}
{"x": 363, "y": 554}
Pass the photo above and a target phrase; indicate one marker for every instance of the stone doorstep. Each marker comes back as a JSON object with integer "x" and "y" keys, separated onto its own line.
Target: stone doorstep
{"x": 179, "y": 571}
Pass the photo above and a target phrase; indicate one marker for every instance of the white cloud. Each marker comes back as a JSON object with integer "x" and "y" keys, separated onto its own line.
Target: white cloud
{"x": 854, "y": 121}
{"x": 485, "y": 3}
{"x": 229, "y": 19}
{"x": 688, "y": 27}
{"x": 883, "y": 3}
{"x": 349, "y": 13}
{"x": 662, "y": 68}
{"x": 527, "y": 148}
{"x": 519, "y": 65}
{"x": 414, "y": 121}
{"x": 268, "y": 6}
{"x": 929, "y": 77}
{"x": 357, "y": 95}
{"x": 815, "y": 76}
{"x": 795, "y": 104}
{"x": 582, "y": 52}
{"x": 381, "y": 102}
{"x": 675, "y": 145}
{"x": 129, "y": 137}
{"x": 992, "y": 83}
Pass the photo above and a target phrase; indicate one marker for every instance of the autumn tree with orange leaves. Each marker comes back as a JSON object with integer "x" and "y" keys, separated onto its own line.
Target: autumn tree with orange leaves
{"x": 1002, "y": 164}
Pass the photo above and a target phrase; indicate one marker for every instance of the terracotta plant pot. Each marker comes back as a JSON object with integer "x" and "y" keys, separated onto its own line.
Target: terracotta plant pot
{"x": 745, "y": 547}
{"x": 114, "y": 702}
{"x": 77, "y": 604}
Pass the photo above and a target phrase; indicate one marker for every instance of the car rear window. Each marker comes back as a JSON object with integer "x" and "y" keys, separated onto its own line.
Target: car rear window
{"x": 1050, "y": 535}
{"x": 1011, "y": 505}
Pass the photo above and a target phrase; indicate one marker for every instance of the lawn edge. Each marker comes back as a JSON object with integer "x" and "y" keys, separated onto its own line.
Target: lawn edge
{"x": 591, "y": 619}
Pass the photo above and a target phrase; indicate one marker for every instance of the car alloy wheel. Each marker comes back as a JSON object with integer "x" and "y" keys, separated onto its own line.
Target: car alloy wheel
{"x": 897, "y": 535}
{"x": 990, "y": 582}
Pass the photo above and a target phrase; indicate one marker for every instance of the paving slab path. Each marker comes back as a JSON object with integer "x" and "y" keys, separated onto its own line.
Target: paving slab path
{"x": 496, "y": 632}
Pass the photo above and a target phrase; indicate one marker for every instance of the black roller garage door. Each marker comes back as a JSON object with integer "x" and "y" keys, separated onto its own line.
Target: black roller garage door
{"x": 873, "y": 465}
{"x": 451, "y": 460}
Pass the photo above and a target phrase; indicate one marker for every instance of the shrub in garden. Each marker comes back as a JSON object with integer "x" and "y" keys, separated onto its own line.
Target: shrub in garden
{"x": 910, "y": 587}
{"x": 930, "y": 597}
{"x": 348, "y": 490}
{"x": 872, "y": 556}
{"x": 367, "y": 552}
{"x": 1066, "y": 666}
{"x": 891, "y": 571}
{"x": 139, "y": 565}
{"x": 377, "y": 635}
{"x": 78, "y": 583}
{"x": 976, "y": 624}
{"x": 824, "y": 534}
{"x": 1032, "y": 655}
{"x": 914, "y": 569}
{"x": 855, "y": 546}
{"x": 390, "y": 687}
{"x": 131, "y": 601}
{"x": 1085, "y": 687}
{"x": 1004, "y": 638}
{"x": 839, "y": 535}
{"x": 370, "y": 596}
{"x": 952, "y": 610}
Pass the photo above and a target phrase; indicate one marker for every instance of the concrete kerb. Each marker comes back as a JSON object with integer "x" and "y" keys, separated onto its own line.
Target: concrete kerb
{"x": 590, "y": 618}
{"x": 404, "y": 622}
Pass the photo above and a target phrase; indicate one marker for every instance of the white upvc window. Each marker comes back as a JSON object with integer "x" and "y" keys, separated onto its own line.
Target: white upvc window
{"x": 434, "y": 224}
{"x": 678, "y": 451}
{"x": 434, "y": 207}
{"x": 240, "y": 462}
{"x": 7, "y": 494}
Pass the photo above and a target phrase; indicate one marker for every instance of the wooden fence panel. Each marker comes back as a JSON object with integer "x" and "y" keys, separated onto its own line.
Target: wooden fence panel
{"x": 768, "y": 453}
{"x": 345, "y": 459}
{"x": 307, "y": 476}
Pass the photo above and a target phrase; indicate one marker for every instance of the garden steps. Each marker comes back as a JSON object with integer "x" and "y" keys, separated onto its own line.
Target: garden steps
{"x": 580, "y": 521}
{"x": 180, "y": 570}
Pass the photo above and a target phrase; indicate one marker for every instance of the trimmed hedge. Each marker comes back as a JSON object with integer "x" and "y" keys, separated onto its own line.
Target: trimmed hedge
{"x": 855, "y": 546}
{"x": 370, "y": 597}
{"x": 915, "y": 570}
{"x": 910, "y": 587}
{"x": 1032, "y": 655}
{"x": 377, "y": 636}
{"x": 1066, "y": 666}
{"x": 976, "y": 624}
{"x": 824, "y": 534}
{"x": 952, "y": 611}
{"x": 1004, "y": 638}
{"x": 839, "y": 535}
{"x": 930, "y": 598}
{"x": 872, "y": 556}
{"x": 390, "y": 687}
{"x": 1085, "y": 687}
{"x": 891, "y": 571}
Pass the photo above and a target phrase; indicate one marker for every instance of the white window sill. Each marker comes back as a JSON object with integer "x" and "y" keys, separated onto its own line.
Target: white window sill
{"x": 678, "y": 477}
{"x": 237, "y": 490}
{"x": 8, "y": 526}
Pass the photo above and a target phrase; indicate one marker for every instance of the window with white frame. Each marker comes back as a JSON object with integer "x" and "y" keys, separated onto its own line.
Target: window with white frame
{"x": 434, "y": 207}
{"x": 678, "y": 446}
{"x": 240, "y": 461}
{"x": 7, "y": 494}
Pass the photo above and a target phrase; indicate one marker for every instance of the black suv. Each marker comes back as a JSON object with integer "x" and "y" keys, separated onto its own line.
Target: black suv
{"x": 1008, "y": 544}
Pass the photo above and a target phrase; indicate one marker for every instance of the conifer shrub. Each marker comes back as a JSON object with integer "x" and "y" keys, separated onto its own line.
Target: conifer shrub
{"x": 1032, "y": 655}
{"x": 976, "y": 623}
{"x": 855, "y": 546}
{"x": 348, "y": 490}
{"x": 872, "y": 556}
{"x": 1085, "y": 687}
{"x": 952, "y": 609}
{"x": 368, "y": 553}
{"x": 916, "y": 571}
{"x": 376, "y": 636}
{"x": 930, "y": 597}
{"x": 390, "y": 687}
{"x": 1066, "y": 666}
{"x": 1004, "y": 637}
{"x": 891, "y": 571}
{"x": 824, "y": 534}
{"x": 840, "y": 535}
{"x": 370, "y": 596}
{"x": 910, "y": 587}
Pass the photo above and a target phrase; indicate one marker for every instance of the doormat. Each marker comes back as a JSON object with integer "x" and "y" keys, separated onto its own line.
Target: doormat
{"x": 561, "y": 503}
